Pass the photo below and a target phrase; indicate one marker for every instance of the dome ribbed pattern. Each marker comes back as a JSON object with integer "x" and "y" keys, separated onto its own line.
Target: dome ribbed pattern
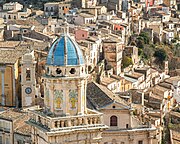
{"x": 65, "y": 51}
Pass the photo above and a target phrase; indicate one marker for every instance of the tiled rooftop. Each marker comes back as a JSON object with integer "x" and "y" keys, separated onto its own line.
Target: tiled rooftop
{"x": 160, "y": 88}
{"x": 96, "y": 97}
{"x": 99, "y": 96}
{"x": 24, "y": 129}
{"x": 117, "y": 77}
{"x": 86, "y": 15}
{"x": 134, "y": 75}
{"x": 9, "y": 44}
{"x": 10, "y": 56}
{"x": 11, "y": 114}
{"x": 21, "y": 127}
{"x": 171, "y": 79}
{"x": 107, "y": 80}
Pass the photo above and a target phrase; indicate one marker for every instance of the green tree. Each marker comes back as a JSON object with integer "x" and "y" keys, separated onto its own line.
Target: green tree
{"x": 160, "y": 54}
{"x": 140, "y": 43}
{"x": 145, "y": 37}
{"x": 126, "y": 61}
{"x": 140, "y": 52}
{"x": 148, "y": 51}
{"x": 133, "y": 43}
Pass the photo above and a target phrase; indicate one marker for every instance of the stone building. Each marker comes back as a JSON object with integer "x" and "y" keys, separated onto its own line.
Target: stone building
{"x": 9, "y": 72}
{"x": 132, "y": 52}
{"x": 57, "y": 9}
{"x": 13, "y": 129}
{"x": 115, "y": 5}
{"x": 15, "y": 62}
{"x": 28, "y": 80}
{"x": 88, "y": 3}
{"x": 124, "y": 126}
{"x": 14, "y": 10}
{"x": 65, "y": 118}
{"x": 112, "y": 51}
{"x": 12, "y": 6}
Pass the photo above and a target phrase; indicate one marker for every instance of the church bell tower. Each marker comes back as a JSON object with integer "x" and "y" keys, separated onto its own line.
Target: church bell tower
{"x": 66, "y": 79}
{"x": 28, "y": 80}
{"x": 65, "y": 118}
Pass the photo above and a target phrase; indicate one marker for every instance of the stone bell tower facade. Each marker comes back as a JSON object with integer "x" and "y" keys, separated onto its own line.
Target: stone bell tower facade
{"x": 65, "y": 118}
{"x": 28, "y": 80}
{"x": 65, "y": 81}
{"x": 65, "y": 96}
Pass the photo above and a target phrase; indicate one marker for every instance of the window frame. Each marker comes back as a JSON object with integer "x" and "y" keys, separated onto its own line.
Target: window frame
{"x": 113, "y": 121}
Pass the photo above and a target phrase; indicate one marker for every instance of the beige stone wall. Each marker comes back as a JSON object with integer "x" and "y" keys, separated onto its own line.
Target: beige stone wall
{"x": 113, "y": 55}
{"x": 120, "y": 134}
{"x": 118, "y": 137}
{"x": 68, "y": 89}
{"x": 125, "y": 85}
{"x": 175, "y": 137}
{"x": 75, "y": 137}
{"x": 8, "y": 86}
{"x": 6, "y": 131}
{"x": 123, "y": 117}
{"x": 28, "y": 63}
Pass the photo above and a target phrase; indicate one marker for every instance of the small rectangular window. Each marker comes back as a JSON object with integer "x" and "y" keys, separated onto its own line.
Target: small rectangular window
{"x": 140, "y": 142}
{"x": 28, "y": 74}
{"x": 51, "y": 8}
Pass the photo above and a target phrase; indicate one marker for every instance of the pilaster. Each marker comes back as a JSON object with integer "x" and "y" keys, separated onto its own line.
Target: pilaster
{"x": 85, "y": 87}
{"x": 66, "y": 98}
{"x": 79, "y": 98}
{"x": 51, "y": 96}
{"x": 2, "y": 69}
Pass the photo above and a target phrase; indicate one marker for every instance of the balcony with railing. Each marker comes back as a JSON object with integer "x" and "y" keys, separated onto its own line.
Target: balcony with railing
{"x": 48, "y": 123}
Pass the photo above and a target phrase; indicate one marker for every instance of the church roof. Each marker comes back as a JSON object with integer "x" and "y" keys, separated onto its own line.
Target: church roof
{"x": 65, "y": 51}
{"x": 98, "y": 97}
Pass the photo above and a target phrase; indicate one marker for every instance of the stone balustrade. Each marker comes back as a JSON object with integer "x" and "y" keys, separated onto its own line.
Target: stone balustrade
{"x": 93, "y": 119}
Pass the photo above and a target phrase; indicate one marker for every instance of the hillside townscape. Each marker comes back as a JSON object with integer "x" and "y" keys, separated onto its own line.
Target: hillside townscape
{"x": 89, "y": 71}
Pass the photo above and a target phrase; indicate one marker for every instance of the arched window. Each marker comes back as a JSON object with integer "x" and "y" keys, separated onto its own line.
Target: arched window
{"x": 113, "y": 121}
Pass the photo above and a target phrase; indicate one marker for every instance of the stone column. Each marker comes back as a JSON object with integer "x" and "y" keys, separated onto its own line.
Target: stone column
{"x": 150, "y": 137}
{"x": 150, "y": 141}
{"x": 2, "y": 85}
{"x": 15, "y": 99}
{"x": 130, "y": 117}
{"x": 66, "y": 104}
{"x": 85, "y": 87}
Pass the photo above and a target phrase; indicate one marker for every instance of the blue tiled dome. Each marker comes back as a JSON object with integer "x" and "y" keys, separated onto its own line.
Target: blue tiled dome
{"x": 65, "y": 51}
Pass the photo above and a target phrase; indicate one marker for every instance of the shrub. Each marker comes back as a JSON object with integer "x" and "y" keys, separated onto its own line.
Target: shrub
{"x": 160, "y": 54}
{"x": 126, "y": 61}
